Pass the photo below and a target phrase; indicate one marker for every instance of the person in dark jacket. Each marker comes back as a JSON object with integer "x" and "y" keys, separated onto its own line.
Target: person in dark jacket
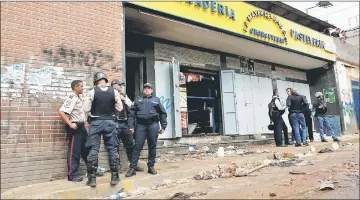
{"x": 288, "y": 91}
{"x": 148, "y": 111}
{"x": 308, "y": 119}
{"x": 320, "y": 107}
{"x": 296, "y": 102}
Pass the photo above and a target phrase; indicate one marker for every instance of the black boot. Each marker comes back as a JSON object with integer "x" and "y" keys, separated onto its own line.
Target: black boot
{"x": 92, "y": 168}
{"x": 336, "y": 140}
{"x": 115, "y": 179}
{"x": 130, "y": 173}
{"x": 152, "y": 171}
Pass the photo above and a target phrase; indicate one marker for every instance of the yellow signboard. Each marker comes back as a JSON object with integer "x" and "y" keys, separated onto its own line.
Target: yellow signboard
{"x": 243, "y": 19}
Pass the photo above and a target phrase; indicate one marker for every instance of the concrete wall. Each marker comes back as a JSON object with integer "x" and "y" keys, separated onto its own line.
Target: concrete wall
{"x": 44, "y": 46}
{"x": 344, "y": 76}
{"x": 323, "y": 80}
{"x": 347, "y": 52}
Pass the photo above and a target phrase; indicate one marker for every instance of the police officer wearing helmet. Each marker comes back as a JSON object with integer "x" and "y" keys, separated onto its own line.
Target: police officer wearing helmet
{"x": 102, "y": 103}
{"x": 148, "y": 111}
{"x": 123, "y": 131}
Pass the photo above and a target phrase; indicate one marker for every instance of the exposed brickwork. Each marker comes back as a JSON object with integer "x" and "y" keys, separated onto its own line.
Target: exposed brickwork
{"x": 51, "y": 44}
{"x": 185, "y": 55}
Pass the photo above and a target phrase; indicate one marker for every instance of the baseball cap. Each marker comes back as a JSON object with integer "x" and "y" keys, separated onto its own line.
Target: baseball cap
{"x": 117, "y": 81}
{"x": 148, "y": 85}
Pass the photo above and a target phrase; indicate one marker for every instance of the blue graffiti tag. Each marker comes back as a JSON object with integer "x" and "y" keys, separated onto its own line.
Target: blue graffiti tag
{"x": 166, "y": 102}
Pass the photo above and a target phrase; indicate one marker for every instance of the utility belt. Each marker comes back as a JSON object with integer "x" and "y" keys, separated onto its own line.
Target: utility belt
{"x": 121, "y": 120}
{"x": 111, "y": 117}
{"x": 147, "y": 121}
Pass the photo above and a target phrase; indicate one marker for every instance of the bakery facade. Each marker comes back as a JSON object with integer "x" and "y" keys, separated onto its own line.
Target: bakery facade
{"x": 215, "y": 64}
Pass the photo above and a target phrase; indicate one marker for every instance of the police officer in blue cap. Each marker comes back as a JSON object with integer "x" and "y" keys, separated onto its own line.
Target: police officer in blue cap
{"x": 123, "y": 130}
{"x": 148, "y": 111}
{"x": 102, "y": 103}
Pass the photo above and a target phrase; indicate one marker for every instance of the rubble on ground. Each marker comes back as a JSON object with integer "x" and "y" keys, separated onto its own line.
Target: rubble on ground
{"x": 182, "y": 195}
{"x": 327, "y": 186}
{"x": 335, "y": 146}
{"x": 326, "y": 150}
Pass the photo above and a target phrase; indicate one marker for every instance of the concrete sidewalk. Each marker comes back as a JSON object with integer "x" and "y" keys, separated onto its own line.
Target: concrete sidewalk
{"x": 63, "y": 189}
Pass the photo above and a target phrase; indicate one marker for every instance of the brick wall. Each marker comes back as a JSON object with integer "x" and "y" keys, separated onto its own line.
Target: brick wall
{"x": 44, "y": 46}
{"x": 185, "y": 55}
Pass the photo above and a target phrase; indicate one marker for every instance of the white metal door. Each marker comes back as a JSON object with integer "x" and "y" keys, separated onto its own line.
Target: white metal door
{"x": 176, "y": 97}
{"x": 164, "y": 89}
{"x": 262, "y": 95}
{"x": 228, "y": 99}
{"x": 244, "y": 98}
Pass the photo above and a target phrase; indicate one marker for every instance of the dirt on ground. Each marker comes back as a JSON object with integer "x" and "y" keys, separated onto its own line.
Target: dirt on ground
{"x": 314, "y": 175}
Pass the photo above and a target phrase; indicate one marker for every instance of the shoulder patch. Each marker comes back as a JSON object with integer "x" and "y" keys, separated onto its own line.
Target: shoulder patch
{"x": 67, "y": 103}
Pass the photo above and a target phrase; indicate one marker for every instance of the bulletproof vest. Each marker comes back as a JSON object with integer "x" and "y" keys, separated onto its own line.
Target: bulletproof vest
{"x": 103, "y": 104}
{"x": 124, "y": 113}
{"x": 296, "y": 103}
{"x": 273, "y": 110}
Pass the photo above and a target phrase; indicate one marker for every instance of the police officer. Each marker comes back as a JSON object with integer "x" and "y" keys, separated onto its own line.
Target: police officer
{"x": 72, "y": 114}
{"x": 123, "y": 131}
{"x": 276, "y": 117}
{"x": 102, "y": 103}
{"x": 148, "y": 111}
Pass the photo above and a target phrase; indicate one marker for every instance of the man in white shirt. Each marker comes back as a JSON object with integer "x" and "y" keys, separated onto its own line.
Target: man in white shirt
{"x": 278, "y": 110}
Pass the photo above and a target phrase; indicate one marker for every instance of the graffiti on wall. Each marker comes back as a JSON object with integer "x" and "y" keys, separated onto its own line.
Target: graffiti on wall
{"x": 329, "y": 95}
{"x": 166, "y": 102}
{"x": 92, "y": 58}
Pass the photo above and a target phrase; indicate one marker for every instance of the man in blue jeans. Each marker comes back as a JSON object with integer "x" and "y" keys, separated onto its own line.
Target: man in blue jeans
{"x": 320, "y": 110}
{"x": 296, "y": 102}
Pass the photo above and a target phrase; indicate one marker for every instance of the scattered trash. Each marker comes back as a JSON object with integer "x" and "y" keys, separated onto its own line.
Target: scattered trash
{"x": 101, "y": 171}
{"x": 221, "y": 152}
{"x": 277, "y": 156}
{"x": 289, "y": 155}
{"x": 327, "y": 186}
{"x": 182, "y": 195}
{"x": 326, "y": 150}
{"x": 285, "y": 162}
{"x": 263, "y": 137}
{"x": 312, "y": 149}
{"x": 296, "y": 172}
{"x": 335, "y": 146}
{"x": 272, "y": 194}
{"x": 265, "y": 164}
{"x": 171, "y": 152}
{"x": 205, "y": 148}
{"x": 192, "y": 149}
{"x": 230, "y": 147}
{"x": 120, "y": 194}
{"x": 304, "y": 163}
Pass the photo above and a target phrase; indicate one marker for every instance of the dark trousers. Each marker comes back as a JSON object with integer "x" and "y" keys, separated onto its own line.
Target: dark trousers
{"x": 279, "y": 129}
{"x": 144, "y": 132}
{"x": 126, "y": 138}
{"x": 76, "y": 149}
{"x": 309, "y": 125}
{"x": 107, "y": 128}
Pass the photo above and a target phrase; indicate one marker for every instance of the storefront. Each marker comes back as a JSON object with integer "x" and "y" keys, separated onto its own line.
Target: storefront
{"x": 215, "y": 64}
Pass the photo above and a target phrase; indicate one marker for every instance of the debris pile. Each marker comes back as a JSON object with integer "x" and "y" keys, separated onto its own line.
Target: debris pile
{"x": 182, "y": 195}
{"x": 228, "y": 171}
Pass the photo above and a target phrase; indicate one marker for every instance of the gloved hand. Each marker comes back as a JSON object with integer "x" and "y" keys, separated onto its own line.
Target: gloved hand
{"x": 161, "y": 131}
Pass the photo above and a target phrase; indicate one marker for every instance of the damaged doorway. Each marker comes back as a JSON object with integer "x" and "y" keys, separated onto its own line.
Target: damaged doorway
{"x": 199, "y": 104}
{"x": 135, "y": 76}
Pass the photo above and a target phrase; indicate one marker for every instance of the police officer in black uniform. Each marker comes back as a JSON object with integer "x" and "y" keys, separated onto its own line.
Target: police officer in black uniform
{"x": 123, "y": 130}
{"x": 102, "y": 103}
{"x": 148, "y": 111}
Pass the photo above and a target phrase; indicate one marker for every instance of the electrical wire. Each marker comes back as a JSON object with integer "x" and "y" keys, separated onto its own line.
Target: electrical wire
{"x": 338, "y": 10}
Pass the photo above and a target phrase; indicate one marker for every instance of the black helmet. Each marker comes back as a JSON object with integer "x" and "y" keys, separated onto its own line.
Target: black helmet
{"x": 99, "y": 76}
